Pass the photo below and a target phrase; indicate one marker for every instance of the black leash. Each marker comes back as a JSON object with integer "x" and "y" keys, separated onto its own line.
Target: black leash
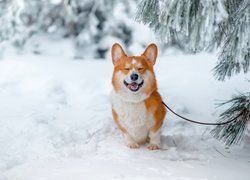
{"x": 198, "y": 122}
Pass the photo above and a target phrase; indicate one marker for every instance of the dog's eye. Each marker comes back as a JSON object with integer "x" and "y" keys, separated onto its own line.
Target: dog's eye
{"x": 140, "y": 69}
{"x": 126, "y": 69}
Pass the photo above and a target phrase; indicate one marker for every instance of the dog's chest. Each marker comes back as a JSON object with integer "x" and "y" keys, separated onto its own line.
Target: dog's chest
{"x": 132, "y": 115}
{"x": 134, "y": 118}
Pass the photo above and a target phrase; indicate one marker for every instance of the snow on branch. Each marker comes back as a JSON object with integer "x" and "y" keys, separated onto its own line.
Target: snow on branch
{"x": 190, "y": 22}
{"x": 233, "y": 133}
{"x": 235, "y": 33}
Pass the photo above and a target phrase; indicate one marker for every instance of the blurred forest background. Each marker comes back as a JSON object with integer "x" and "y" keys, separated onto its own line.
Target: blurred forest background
{"x": 90, "y": 25}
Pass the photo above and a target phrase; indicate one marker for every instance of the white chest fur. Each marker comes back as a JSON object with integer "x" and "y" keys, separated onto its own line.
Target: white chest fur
{"x": 133, "y": 117}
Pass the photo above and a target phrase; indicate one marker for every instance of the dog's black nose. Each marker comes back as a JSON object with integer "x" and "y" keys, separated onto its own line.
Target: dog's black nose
{"x": 134, "y": 77}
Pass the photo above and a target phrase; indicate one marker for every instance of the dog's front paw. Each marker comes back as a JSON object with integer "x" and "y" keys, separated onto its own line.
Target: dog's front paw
{"x": 153, "y": 147}
{"x": 133, "y": 145}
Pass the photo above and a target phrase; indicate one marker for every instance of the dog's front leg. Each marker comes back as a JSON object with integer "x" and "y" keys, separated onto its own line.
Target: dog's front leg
{"x": 130, "y": 141}
{"x": 155, "y": 131}
{"x": 154, "y": 140}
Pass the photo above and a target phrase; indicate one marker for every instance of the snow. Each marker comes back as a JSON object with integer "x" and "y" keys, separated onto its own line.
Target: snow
{"x": 56, "y": 122}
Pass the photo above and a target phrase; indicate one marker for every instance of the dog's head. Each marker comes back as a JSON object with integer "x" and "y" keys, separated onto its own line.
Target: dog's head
{"x": 134, "y": 76}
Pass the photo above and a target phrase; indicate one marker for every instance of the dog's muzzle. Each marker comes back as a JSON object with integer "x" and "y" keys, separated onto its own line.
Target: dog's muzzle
{"x": 133, "y": 86}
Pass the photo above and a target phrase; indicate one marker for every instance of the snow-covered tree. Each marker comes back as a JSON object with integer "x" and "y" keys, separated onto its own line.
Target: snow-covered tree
{"x": 197, "y": 25}
{"x": 7, "y": 22}
{"x": 89, "y": 23}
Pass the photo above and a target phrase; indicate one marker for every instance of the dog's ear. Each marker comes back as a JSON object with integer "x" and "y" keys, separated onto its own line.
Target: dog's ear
{"x": 151, "y": 53}
{"x": 117, "y": 53}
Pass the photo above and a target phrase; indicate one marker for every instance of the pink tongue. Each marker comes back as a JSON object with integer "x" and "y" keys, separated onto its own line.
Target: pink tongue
{"x": 133, "y": 86}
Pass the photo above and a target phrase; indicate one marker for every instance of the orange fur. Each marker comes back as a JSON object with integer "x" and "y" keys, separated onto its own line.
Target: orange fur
{"x": 154, "y": 105}
{"x": 144, "y": 65}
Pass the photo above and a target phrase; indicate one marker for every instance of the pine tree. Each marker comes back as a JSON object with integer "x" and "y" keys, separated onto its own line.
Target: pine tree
{"x": 198, "y": 25}
{"x": 88, "y": 23}
{"x": 7, "y": 22}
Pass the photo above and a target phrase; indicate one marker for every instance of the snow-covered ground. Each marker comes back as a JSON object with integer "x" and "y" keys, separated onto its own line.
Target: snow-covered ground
{"x": 56, "y": 122}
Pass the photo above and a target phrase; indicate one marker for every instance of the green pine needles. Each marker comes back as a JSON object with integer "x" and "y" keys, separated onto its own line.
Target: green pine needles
{"x": 198, "y": 25}
{"x": 190, "y": 22}
{"x": 148, "y": 12}
{"x": 233, "y": 133}
{"x": 235, "y": 33}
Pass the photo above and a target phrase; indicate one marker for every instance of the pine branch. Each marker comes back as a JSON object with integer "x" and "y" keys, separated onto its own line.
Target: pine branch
{"x": 189, "y": 22}
{"x": 234, "y": 132}
{"x": 147, "y": 12}
{"x": 235, "y": 40}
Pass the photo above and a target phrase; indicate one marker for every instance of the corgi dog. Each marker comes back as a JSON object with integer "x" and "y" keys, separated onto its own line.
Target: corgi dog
{"x": 136, "y": 104}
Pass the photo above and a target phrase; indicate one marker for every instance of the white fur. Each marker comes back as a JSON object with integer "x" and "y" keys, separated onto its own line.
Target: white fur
{"x": 134, "y": 61}
{"x": 133, "y": 117}
{"x": 155, "y": 138}
{"x": 130, "y": 141}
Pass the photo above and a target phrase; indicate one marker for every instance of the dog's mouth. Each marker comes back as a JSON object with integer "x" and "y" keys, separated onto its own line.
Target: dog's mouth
{"x": 133, "y": 86}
